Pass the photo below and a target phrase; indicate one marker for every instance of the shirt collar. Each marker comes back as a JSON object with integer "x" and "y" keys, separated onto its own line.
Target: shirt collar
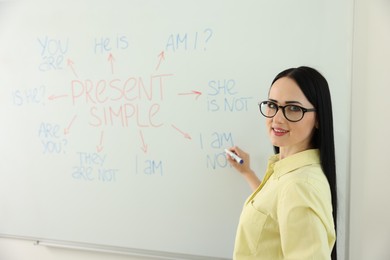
{"x": 293, "y": 162}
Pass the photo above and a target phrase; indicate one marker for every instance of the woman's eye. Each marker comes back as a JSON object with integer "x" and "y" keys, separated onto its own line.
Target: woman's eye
{"x": 271, "y": 105}
{"x": 294, "y": 108}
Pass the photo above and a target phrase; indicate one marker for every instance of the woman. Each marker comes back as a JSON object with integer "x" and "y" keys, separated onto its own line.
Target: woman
{"x": 292, "y": 212}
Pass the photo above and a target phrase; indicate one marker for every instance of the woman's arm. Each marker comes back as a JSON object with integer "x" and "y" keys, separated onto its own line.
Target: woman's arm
{"x": 305, "y": 222}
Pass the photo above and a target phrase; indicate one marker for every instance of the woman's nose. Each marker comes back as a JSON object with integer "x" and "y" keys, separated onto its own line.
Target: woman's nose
{"x": 279, "y": 116}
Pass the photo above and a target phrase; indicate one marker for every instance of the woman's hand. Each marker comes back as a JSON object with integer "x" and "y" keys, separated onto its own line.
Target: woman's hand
{"x": 244, "y": 168}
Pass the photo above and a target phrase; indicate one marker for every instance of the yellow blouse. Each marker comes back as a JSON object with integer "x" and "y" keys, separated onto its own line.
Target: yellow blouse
{"x": 290, "y": 215}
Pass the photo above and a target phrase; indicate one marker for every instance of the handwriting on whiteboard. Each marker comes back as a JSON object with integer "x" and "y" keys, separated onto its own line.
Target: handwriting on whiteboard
{"x": 120, "y": 98}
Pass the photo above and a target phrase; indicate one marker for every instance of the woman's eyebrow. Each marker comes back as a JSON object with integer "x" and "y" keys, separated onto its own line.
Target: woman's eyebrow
{"x": 287, "y": 102}
{"x": 293, "y": 102}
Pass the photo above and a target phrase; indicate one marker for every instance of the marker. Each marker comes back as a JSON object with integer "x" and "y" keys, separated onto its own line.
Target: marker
{"x": 234, "y": 156}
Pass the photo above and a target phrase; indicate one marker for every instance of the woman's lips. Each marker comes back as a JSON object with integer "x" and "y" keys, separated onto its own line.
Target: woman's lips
{"x": 279, "y": 131}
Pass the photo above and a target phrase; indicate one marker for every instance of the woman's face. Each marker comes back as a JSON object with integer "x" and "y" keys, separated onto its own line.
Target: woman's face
{"x": 290, "y": 137}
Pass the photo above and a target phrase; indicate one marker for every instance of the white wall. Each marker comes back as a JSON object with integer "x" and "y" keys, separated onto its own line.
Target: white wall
{"x": 369, "y": 211}
{"x": 370, "y": 178}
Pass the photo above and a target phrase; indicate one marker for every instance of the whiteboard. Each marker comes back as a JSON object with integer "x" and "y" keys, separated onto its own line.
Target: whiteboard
{"x": 115, "y": 114}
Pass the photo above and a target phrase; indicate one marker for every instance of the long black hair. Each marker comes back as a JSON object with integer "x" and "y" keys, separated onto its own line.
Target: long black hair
{"x": 315, "y": 87}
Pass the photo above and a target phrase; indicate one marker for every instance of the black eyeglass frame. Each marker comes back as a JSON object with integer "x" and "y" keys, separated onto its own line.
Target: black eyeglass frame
{"x": 304, "y": 110}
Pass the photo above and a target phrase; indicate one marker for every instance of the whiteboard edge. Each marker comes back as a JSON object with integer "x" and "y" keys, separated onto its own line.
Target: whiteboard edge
{"x": 111, "y": 249}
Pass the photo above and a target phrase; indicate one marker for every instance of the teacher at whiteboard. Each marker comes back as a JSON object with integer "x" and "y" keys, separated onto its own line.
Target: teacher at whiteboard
{"x": 292, "y": 212}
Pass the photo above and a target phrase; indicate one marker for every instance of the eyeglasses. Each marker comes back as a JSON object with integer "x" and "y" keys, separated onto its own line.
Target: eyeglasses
{"x": 292, "y": 113}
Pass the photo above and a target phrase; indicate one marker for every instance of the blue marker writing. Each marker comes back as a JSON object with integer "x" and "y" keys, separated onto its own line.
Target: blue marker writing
{"x": 234, "y": 156}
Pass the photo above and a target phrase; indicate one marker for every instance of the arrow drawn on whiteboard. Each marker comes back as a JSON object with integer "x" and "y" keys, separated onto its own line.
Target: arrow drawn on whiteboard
{"x": 193, "y": 92}
{"x": 67, "y": 130}
{"x": 144, "y": 146}
{"x": 111, "y": 60}
{"x": 186, "y": 135}
{"x": 70, "y": 64}
{"x": 99, "y": 148}
{"x": 52, "y": 97}
{"x": 161, "y": 57}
